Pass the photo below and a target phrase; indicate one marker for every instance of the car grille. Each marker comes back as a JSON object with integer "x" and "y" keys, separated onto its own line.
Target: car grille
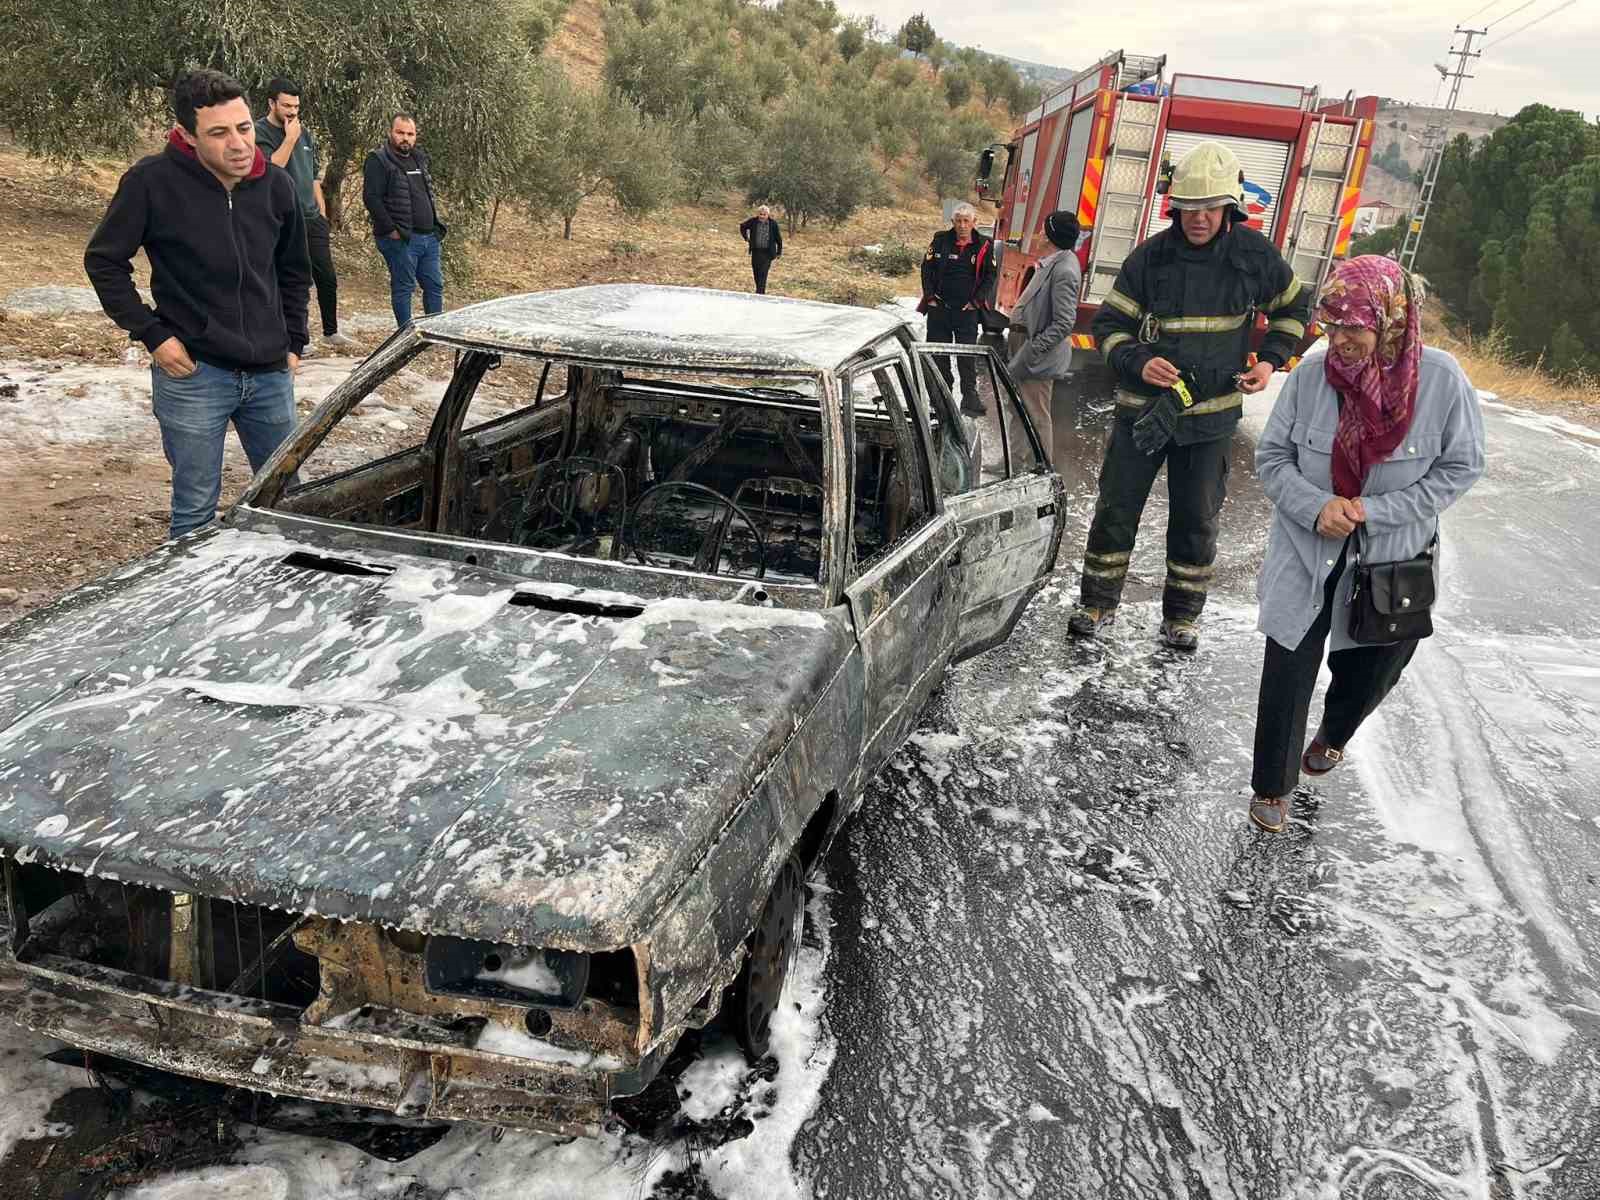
{"x": 195, "y": 941}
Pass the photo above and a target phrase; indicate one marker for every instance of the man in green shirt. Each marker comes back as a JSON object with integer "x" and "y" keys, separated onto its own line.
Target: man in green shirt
{"x": 288, "y": 143}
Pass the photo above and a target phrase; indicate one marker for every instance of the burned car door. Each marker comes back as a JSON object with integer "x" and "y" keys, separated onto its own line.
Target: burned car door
{"x": 904, "y": 569}
{"x": 1001, "y": 492}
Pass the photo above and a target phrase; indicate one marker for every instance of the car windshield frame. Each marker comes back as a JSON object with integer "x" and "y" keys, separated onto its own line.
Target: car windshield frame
{"x": 257, "y": 506}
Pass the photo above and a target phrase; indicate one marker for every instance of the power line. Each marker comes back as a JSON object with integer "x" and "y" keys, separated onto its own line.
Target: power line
{"x": 1532, "y": 23}
{"x": 1484, "y": 9}
{"x": 1512, "y": 13}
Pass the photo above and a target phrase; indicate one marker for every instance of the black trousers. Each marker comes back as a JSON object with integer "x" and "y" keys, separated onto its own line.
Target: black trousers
{"x": 322, "y": 273}
{"x": 960, "y": 326}
{"x": 1362, "y": 677}
{"x": 1197, "y": 483}
{"x": 760, "y": 263}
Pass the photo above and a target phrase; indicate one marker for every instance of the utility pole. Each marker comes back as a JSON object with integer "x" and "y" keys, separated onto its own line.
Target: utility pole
{"x": 1438, "y": 137}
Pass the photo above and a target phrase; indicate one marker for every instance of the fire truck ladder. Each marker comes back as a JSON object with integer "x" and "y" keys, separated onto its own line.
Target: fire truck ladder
{"x": 1123, "y": 200}
{"x": 1319, "y": 200}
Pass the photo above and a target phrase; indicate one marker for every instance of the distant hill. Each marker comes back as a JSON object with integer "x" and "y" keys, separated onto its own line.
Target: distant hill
{"x": 1397, "y": 146}
{"x": 1036, "y": 72}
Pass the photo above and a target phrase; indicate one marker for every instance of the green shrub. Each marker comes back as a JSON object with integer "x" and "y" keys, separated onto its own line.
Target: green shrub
{"x": 891, "y": 258}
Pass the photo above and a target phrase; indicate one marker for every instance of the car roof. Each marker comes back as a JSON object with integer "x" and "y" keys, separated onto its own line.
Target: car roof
{"x": 646, "y": 324}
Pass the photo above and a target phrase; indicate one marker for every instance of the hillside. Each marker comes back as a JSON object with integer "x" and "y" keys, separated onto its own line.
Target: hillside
{"x": 1399, "y": 137}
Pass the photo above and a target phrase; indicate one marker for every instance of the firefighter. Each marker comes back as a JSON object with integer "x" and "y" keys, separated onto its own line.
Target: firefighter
{"x": 957, "y": 279}
{"x": 1175, "y": 330}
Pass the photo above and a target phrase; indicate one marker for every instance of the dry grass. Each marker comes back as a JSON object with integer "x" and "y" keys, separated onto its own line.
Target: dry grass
{"x": 1490, "y": 365}
{"x": 580, "y": 44}
{"x": 49, "y": 217}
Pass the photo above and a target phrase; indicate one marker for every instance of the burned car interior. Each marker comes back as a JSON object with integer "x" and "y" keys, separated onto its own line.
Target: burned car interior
{"x": 717, "y": 477}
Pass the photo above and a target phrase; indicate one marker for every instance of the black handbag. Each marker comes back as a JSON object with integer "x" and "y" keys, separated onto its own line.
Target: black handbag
{"x": 1392, "y": 601}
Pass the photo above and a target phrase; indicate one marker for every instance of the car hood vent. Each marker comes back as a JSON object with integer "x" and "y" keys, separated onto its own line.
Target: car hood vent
{"x": 619, "y": 609}
{"x": 306, "y": 561}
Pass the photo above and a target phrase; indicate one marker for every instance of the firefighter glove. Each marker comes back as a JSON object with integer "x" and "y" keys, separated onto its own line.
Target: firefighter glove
{"x": 1157, "y": 423}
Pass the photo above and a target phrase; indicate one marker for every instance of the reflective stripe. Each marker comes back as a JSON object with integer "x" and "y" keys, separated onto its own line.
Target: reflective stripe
{"x": 1202, "y": 324}
{"x": 1109, "y": 559}
{"x": 1286, "y": 296}
{"x": 1183, "y": 585}
{"x": 1123, "y": 304}
{"x": 1215, "y": 404}
{"x": 1189, "y": 572}
{"x": 1126, "y": 399}
{"x": 1287, "y": 325}
{"x": 1112, "y": 573}
{"x": 1112, "y": 342}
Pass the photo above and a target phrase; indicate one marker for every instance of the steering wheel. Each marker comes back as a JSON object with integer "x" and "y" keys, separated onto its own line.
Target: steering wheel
{"x": 710, "y": 551}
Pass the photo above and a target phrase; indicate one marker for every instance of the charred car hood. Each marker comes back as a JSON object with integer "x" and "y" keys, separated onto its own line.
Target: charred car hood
{"x": 412, "y": 747}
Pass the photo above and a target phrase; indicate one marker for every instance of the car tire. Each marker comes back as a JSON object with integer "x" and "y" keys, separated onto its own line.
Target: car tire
{"x": 770, "y": 953}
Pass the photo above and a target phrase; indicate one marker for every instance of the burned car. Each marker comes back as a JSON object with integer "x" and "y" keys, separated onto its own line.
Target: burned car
{"x": 459, "y": 779}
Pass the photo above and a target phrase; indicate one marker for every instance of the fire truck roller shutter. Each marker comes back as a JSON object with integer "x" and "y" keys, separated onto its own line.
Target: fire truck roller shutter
{"x": 1266, "y": 167}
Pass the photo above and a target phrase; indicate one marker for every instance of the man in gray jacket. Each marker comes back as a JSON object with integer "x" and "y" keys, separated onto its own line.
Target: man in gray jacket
{"x": 1041, "y": 324}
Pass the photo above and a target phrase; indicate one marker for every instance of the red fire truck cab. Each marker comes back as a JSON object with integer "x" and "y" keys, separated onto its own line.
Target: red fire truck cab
{"x": 1104, "y": 141}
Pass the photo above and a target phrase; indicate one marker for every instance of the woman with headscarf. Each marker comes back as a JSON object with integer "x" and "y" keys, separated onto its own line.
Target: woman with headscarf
{"x": 1373, "y": 436}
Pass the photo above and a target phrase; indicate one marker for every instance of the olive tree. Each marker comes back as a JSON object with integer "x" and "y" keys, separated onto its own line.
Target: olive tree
{"x": 78, "y": 79}
{"x": 594, "y": 143}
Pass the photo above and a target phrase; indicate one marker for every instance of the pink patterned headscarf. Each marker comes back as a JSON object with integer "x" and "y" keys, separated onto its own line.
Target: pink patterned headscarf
{"x": 1380, "y": 393}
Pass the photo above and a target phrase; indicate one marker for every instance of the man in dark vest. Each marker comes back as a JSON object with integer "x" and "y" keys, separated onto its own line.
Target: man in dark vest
{"x": 398, "y": 192}
{"x": 766, "y": 243}
{"x": 957, "y": 278}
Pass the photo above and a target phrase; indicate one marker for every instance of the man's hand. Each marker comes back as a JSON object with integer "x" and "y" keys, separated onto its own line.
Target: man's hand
{"x": 1255, "y": 379}
{"x": 294, "y": 362}
{"x": 173, "y": 359}
{"x": 291, "y": 130}
{"x": 1340, "y": 516}
{"x": 1158, "y": 372}
{"x": 394, "y": 235}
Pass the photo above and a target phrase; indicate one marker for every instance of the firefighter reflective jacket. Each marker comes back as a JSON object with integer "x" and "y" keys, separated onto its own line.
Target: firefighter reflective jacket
{"x": 1195, "y": 306}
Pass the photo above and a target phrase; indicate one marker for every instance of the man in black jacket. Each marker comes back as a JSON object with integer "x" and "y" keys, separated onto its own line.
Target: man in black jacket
{"x": 226, "y": 239}
{"x": 1176, "y": 330}
{"x": 766, "y": 243}
{"x": 957, "y": 278}
{"x": 398, "y": 192}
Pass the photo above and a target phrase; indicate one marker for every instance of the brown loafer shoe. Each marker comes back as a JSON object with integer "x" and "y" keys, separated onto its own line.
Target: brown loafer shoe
{"x": 1320, "y": 758}
{"x": 1269, "y": 812}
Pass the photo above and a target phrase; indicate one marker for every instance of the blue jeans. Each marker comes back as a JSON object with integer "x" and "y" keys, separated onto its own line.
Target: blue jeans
{"x": 410, "y": 263}
{"x": 194, "y": 413}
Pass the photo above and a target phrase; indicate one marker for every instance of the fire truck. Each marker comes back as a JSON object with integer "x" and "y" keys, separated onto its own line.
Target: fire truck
{"x": 1104, "y": 144}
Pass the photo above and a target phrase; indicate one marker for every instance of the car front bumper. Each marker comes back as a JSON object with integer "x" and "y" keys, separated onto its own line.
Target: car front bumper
{"x": 394, "y": 1063}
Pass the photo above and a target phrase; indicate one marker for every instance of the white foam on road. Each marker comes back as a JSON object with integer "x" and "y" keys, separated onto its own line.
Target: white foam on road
{"x": 82, "y": 403}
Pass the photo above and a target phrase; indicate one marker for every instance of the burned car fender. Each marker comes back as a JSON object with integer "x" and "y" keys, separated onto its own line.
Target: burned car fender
{"x": 798, "y": 802}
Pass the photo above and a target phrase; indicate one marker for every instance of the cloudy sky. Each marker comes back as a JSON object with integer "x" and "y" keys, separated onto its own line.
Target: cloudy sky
{"x": 1375, "y": 48}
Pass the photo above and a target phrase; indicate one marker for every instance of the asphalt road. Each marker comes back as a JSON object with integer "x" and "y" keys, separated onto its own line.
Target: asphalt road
{"x": 1063, "y": 965}
{"x": 1050, "y": 958}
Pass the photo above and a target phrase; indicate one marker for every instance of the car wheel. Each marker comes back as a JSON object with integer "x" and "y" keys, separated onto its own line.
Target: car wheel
{"x": 772, "y": 948}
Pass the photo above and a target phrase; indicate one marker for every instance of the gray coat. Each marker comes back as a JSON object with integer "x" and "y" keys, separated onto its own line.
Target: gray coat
{"x": 1441, "y": 456}
{"x": 1047, "y": 309}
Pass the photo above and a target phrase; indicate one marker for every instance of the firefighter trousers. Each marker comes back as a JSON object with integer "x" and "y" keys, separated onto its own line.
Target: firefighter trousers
{"x": 1197, "y": 482}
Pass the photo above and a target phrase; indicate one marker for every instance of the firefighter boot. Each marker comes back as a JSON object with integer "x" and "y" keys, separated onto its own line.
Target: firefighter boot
{"x": 1086, "y": 620}
{"x": 1180, "y": 633}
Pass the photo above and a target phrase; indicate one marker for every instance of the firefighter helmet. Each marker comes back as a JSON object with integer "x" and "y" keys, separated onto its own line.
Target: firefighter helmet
{"x": 1209, "y": 176}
